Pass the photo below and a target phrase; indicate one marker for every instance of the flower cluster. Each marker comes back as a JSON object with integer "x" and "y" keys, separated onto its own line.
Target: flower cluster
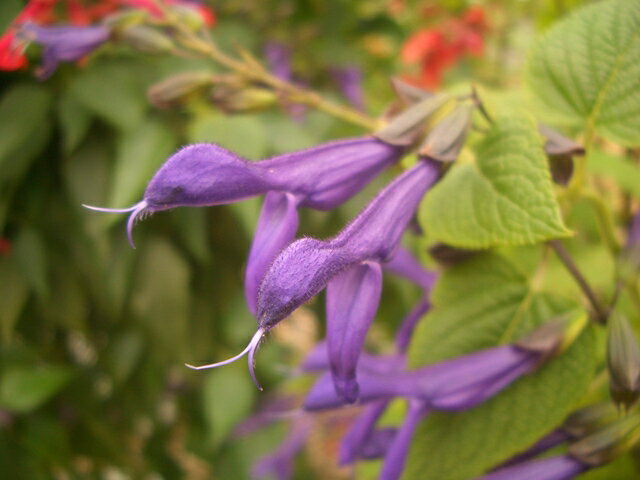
{"x": 68, "y": 30}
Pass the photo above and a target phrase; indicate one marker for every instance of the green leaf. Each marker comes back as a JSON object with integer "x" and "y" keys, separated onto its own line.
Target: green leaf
{"x": 13, "y": 296}
{"x": 75, "y": 120}
{"x": 140, "y": 153}
{"x": 25, "y": 388}
{"x": 625, "y": 172}
{"x": 112, "y": 90}
{"x": 584, "y": 71}
{"x": 23, "y": 113}
{"x": 30, "y": 253}
{"x": 504, "y": 198}
{"x": 481, "y": 303}
{"x": 227, "y": 397}
{"x": 245, "y": 135}
{"x": 162, "y": 298}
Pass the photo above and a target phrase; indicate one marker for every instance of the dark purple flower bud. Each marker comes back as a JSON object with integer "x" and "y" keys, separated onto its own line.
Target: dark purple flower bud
{"x": 561, "y": 467}
{"x": 320, "y": 177}
{"x": 277, "y": 226}
{"x": 63, "y": 44}
{"x": 352, "y": 302}
{"x": 396, "y": 455}
{"x": 349, "y": 80}
{"x": 452, "y": 385}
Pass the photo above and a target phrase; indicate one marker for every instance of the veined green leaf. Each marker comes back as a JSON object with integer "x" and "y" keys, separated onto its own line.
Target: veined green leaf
{"x": 479, "y": 304}
{"x": 504, "y": 198}
{"x": 585, "y": 71}
{"x": 623, "y": 171}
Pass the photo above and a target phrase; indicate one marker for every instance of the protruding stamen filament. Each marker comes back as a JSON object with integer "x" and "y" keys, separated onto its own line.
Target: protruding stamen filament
{"x": 138, "y": 211}
{"x": 250, "y": 349}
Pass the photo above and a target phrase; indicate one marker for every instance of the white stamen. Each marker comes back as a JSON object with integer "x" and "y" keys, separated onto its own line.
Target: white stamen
{"x": 250, "y": 349}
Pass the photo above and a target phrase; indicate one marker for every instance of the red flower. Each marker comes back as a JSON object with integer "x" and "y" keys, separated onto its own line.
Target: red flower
{"x": 5, "y": 247}
{"x": 437, "y": 49}
{"x": 11, "y": 58}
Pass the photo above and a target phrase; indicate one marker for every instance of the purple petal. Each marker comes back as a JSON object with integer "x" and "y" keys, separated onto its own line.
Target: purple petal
{"x": 405, "y": 331}
{"x": 204, "y": 174}
{"x": 353, "y": 443}
{"x": 305, "y": 266}
{"x": 352, "y": 302}
{"x": 404, "y": 264}
{"x": 64, "y": 44}
{"x": 277, "y": 226}
{"x": 278, "y": 58}
{"x": 327, "y": 175}
{"x": 318, "y": 361}
{"x": 396, "y": 456}
{"x": 562, "y": 467}
{"x": 378, "y": 443}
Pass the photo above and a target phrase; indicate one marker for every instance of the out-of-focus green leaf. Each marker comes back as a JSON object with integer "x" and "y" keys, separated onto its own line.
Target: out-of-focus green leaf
{"x": 8, "y": 11}
{"x": 112, "y": 91}
{"x": 245, "y": 135}
{"x": 23, "y": 112}
{"x": 13, "y": 295}
{"x": 30, "y": 254}
{"x": 140, "y": 154}
{"x": 75, "y": 121}
{"x": 123, "y": 354}
{"x": 192, "y": 229}
{"x": 624, "y": 172}
{"x": 67, "y": 305}
{"x": 504, "y": 198}
{"x": 162, "y": 298}
{"x": 482, "y": 303}
{"x": 227, "y": 396}
{"x": 585, "y": 70}
{"x": 24, "y": 388}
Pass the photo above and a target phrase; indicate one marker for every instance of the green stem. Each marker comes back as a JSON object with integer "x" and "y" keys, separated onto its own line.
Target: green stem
{"x": 254, "y": 72}
{"x": 601, "y": 313}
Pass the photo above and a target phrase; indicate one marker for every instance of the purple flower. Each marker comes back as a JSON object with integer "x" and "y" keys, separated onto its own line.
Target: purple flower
{"x": 306, "y": 266}
{"x": 63, "y": 44}
{"x": 321, "y": 177}
{"x": 349, "y": 80}
{"x": 278, "y": 57}
{"x": 359, "y": 435}
{"x": 561, "y": 467}
{"x": 457, "y": 384}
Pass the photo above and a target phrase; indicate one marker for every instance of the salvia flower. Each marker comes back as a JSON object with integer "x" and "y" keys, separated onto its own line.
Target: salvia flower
{"x": 457, "y": 384}
{"x": 349, "y": 265}
{"x": 320, "y": 177}
{"x": 64, "y": 43}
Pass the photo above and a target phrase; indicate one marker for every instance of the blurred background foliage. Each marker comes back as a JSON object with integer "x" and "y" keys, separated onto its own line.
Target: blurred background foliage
{"x": 93, "y": 334}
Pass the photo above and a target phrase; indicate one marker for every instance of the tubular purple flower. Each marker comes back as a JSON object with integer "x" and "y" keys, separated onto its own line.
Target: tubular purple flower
{"x": 405, "y": 331}
{"x": 352, "y": 302}
{"x": 305, "y": 266}
{"x": 318, "y": 361}
{"x": 547, "y": 442}
{"x": 320, "y": 177}
{"x": 63, "y": 43}
{"x": 561, "y": 467}
{"x": 278, "y": 57}
{"x": 457, "y": 384}
{"x": 377, "y": 443}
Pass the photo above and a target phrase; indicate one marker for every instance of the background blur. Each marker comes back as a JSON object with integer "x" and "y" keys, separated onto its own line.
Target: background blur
{"x": 94, "y": 334}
